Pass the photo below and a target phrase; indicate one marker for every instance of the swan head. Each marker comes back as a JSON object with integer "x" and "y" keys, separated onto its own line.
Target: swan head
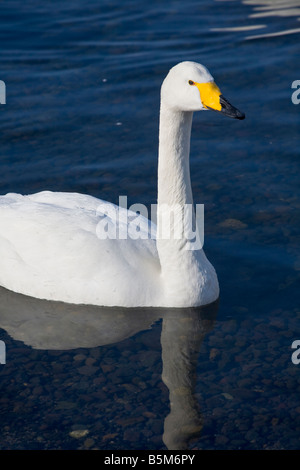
{"x": 190, "y": 87}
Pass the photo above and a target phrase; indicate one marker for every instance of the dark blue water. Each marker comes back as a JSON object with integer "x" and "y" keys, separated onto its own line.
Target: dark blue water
{"x": 81, "y": 114}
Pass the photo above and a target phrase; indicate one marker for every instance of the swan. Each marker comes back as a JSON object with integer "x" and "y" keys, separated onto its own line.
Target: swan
{"x": 50, "y": 247}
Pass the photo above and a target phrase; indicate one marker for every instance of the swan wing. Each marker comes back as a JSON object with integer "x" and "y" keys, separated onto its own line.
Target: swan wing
{"x": 73, "y": 247}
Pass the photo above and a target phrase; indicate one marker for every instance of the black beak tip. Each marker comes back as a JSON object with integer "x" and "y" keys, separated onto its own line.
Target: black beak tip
{"x": 240, "y": 115}
{"x": 230, "y": 110}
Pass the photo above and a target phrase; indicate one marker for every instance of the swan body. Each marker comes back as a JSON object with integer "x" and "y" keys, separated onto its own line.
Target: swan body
{"x": 49, "y": 242}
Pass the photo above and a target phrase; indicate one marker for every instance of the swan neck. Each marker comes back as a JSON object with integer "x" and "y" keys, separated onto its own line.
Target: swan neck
{"x": 186, "y": 275}
{"x": 174, "y": 182}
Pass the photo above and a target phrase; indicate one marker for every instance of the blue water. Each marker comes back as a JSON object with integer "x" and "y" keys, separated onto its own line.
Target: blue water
{"x": 82, "y": 101}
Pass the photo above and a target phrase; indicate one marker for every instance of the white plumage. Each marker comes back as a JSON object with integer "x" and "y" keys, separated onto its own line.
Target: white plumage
{"x": 50, "y": 247}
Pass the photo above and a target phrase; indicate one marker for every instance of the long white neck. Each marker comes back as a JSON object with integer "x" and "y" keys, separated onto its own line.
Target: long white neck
{"x": 174, "y": 182}
{"x": 183, "y": 270}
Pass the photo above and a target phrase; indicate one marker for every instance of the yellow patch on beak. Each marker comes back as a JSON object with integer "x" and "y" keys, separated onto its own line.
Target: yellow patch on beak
{"x": 210, "y": 95}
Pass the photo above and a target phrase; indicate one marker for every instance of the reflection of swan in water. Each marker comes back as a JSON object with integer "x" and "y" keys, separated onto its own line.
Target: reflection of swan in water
{"x": 182, "y": 334}
{"x": 54, "y": 325}
{"x": 44, "y": 324}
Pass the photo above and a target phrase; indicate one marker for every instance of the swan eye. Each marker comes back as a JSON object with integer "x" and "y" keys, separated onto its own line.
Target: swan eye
{"x": 191, "y": 82}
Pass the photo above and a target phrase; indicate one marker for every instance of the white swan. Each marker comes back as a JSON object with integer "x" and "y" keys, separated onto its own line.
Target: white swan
{"x": 50, "y": 247}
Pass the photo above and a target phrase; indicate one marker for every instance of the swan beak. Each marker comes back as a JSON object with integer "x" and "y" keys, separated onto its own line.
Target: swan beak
{"x": 213, "y": 99}
{"x": 229, "y": 110}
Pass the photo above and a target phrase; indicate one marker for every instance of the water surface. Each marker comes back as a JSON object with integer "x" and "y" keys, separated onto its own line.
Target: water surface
{"x": 82, "y": 82}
